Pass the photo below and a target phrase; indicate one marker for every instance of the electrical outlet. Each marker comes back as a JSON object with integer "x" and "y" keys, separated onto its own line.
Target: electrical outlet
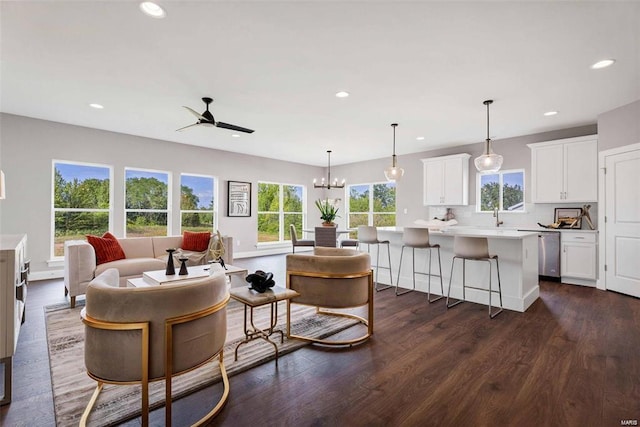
{"x": 238, "y": 244}
{"x": 406, "y": 211}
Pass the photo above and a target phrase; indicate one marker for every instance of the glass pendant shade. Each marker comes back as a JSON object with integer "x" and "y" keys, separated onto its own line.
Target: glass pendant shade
{"x": 394, "y": 173}
{"x": 489, "y": 161}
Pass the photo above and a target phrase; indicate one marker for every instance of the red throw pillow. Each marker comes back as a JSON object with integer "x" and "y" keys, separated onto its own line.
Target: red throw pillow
{"x": 197, "y": 242}
{"x": 107, "y": 248}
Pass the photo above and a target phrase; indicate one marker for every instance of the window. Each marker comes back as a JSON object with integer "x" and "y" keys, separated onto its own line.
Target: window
{"x": 379, "y": 210}
{"x": 146, "y": 202}
{"x": 198, "y": 204}
{"x": 503, "y": 190}
{"x": 279, "y": 205}
{"x": 81, "y": 202}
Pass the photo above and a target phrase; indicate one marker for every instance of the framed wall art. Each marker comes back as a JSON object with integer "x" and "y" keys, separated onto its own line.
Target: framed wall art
{"x": 568, "y": 217}
{"x": 238, "y": 198}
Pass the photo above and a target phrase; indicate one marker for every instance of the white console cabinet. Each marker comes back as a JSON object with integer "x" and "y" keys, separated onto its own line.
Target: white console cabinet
{"x": 565, "y": 170}
{"x": 446, "y": 180}
{"x": 13, "y": 292}
{"x": 579, "y": 258}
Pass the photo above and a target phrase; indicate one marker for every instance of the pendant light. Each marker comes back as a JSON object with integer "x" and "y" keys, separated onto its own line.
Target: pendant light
{"x": 329, "y": 185}
{"x": 489, "y": 161}
{"x": 393, "y": 172}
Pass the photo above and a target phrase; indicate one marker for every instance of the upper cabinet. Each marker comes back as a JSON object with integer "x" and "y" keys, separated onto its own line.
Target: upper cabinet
{"x": 565, "y": 170}
{"x": 446, "y": 180}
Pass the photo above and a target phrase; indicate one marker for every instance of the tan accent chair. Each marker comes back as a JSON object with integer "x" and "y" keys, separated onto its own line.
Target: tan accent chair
{"x": 332, "y": 278}
{"x": 138, "y": 335}
{"x": 294, "y": 239}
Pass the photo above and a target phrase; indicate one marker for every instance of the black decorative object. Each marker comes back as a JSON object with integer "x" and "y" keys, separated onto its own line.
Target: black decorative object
{"x": 260, "y": 281}
{"x": 170, "y": 268}
{"x": 183, "y": 266}
{"x": 219, "y": 261}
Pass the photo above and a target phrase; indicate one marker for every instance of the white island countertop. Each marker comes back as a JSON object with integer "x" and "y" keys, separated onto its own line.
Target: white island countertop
{"x": 517, "y": 251}
{"x": 466, "y": 231}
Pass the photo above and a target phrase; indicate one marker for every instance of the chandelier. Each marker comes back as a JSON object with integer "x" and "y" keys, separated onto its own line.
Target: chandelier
{"x": 393, "y": 172}
{"x": 489, "y": 161}
{"x": 328, "y": 185}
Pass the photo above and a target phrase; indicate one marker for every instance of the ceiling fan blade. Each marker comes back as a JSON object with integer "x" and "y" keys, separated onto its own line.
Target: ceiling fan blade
{"x": 195, "y": 124}
{"x": 233, "y": 127}
{"x": 195, "y": 113}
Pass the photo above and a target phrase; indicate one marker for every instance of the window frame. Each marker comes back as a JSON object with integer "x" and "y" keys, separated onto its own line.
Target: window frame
{"x": 370, "y": 213}
{"x": 500, "y": 174}
{"x": 215, "y": 209}
{"x": 54, "y": 210}
{"x": 168, "y": 210}
{"x": 282, "y": 233}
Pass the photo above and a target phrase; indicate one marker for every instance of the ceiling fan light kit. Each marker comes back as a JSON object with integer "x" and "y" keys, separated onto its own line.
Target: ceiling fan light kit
{"x": 393, "y": 173}
{"x": 206, "y": 119}
{"x": 489, "y": 161}
{"x": 328, "y": 185}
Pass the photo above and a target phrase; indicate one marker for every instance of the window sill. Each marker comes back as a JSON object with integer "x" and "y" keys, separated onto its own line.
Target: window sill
{"x": 56, "y": 262}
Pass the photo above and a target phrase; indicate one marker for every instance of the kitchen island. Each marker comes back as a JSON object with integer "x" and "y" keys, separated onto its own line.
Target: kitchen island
{"x": 517, "y": 252}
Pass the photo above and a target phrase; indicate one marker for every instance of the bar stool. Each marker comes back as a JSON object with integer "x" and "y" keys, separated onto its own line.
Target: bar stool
{"x": 418, "y": 238}
{"x": 474, "y": 249}
{"x": 369, "y": 235}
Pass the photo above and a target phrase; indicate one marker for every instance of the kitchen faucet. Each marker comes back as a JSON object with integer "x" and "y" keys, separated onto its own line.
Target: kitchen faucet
{"x": 497, "y": 217}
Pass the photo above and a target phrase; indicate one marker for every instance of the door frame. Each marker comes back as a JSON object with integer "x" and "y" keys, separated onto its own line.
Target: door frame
{"x": 602, "y": 203}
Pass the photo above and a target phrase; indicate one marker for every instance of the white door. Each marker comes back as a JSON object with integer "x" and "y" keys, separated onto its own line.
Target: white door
{"x": 622, "y": 184}
{"x": 581, "y": 171}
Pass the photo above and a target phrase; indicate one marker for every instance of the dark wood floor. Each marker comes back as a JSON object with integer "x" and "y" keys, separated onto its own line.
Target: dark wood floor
{"x": 572, "y": 359}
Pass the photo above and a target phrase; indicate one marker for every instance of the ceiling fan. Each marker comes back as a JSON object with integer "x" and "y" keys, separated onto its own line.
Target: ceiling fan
{"x": 206, "y": 119}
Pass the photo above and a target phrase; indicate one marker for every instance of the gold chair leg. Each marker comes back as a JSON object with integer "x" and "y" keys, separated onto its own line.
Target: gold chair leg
{"x": 87, "y": 410}
{"x": 225, "y": 395}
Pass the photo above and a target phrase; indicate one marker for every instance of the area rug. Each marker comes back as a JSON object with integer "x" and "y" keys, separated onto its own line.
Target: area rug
{"x": 72, "y": 387}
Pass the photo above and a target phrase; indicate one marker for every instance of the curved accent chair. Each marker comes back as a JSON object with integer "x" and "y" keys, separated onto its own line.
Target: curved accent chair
{"x": 299, "y": 242}
{"x": 332, "y": 278}
{"x": 139, "y": 335}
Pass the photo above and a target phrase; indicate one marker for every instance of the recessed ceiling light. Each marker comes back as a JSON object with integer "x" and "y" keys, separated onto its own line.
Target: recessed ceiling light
{"x": 152, "y": 9}
{"x": 96, "y": 106}
{"x": 603, "y": 64}
{"x": 235, "y": 135}
{"x": 342, "y": 94}
{"x": 550, "y": 113}
{"x": 420, "y": 138}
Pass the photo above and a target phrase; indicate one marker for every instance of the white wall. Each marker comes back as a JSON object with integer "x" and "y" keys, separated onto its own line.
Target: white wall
{"x": 28, "y": 146}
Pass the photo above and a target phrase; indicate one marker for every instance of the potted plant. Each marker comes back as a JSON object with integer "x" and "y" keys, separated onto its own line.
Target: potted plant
{"x": 328, "y": 212}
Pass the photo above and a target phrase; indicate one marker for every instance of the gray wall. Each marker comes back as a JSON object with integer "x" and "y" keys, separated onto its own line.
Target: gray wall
{"x": 28, "y": 146}
{"x": 409, "y": 190}
{"x": 619, "y": 127}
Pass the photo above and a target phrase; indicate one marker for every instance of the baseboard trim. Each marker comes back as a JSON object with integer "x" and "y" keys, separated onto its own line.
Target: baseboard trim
{"x": 45, "y": 275}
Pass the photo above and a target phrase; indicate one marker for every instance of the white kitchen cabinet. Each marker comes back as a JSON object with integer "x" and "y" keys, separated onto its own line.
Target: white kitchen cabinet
{"x": 565, "y": 170}
{"x": 579, "y": 258}
{"x": 446, "y": 180}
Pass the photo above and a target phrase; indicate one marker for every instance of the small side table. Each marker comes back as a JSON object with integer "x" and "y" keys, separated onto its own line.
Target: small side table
{"x": 252, "y": 299}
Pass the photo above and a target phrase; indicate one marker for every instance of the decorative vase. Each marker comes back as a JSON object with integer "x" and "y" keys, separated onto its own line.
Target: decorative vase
{"x": 183, "y": 267}
{"x": 328, "y": 224}
{"x": 170, "y": 268}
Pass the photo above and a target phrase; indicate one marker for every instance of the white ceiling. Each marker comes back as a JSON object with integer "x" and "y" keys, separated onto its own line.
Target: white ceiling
{"x": 275, "y": 67}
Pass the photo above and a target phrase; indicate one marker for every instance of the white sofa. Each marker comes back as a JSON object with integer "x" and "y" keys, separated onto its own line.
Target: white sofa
{"x": 142, "y": 254}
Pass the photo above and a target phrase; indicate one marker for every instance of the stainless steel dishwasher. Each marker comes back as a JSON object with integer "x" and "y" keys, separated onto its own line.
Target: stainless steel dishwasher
{"x": 548, "y": 253}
